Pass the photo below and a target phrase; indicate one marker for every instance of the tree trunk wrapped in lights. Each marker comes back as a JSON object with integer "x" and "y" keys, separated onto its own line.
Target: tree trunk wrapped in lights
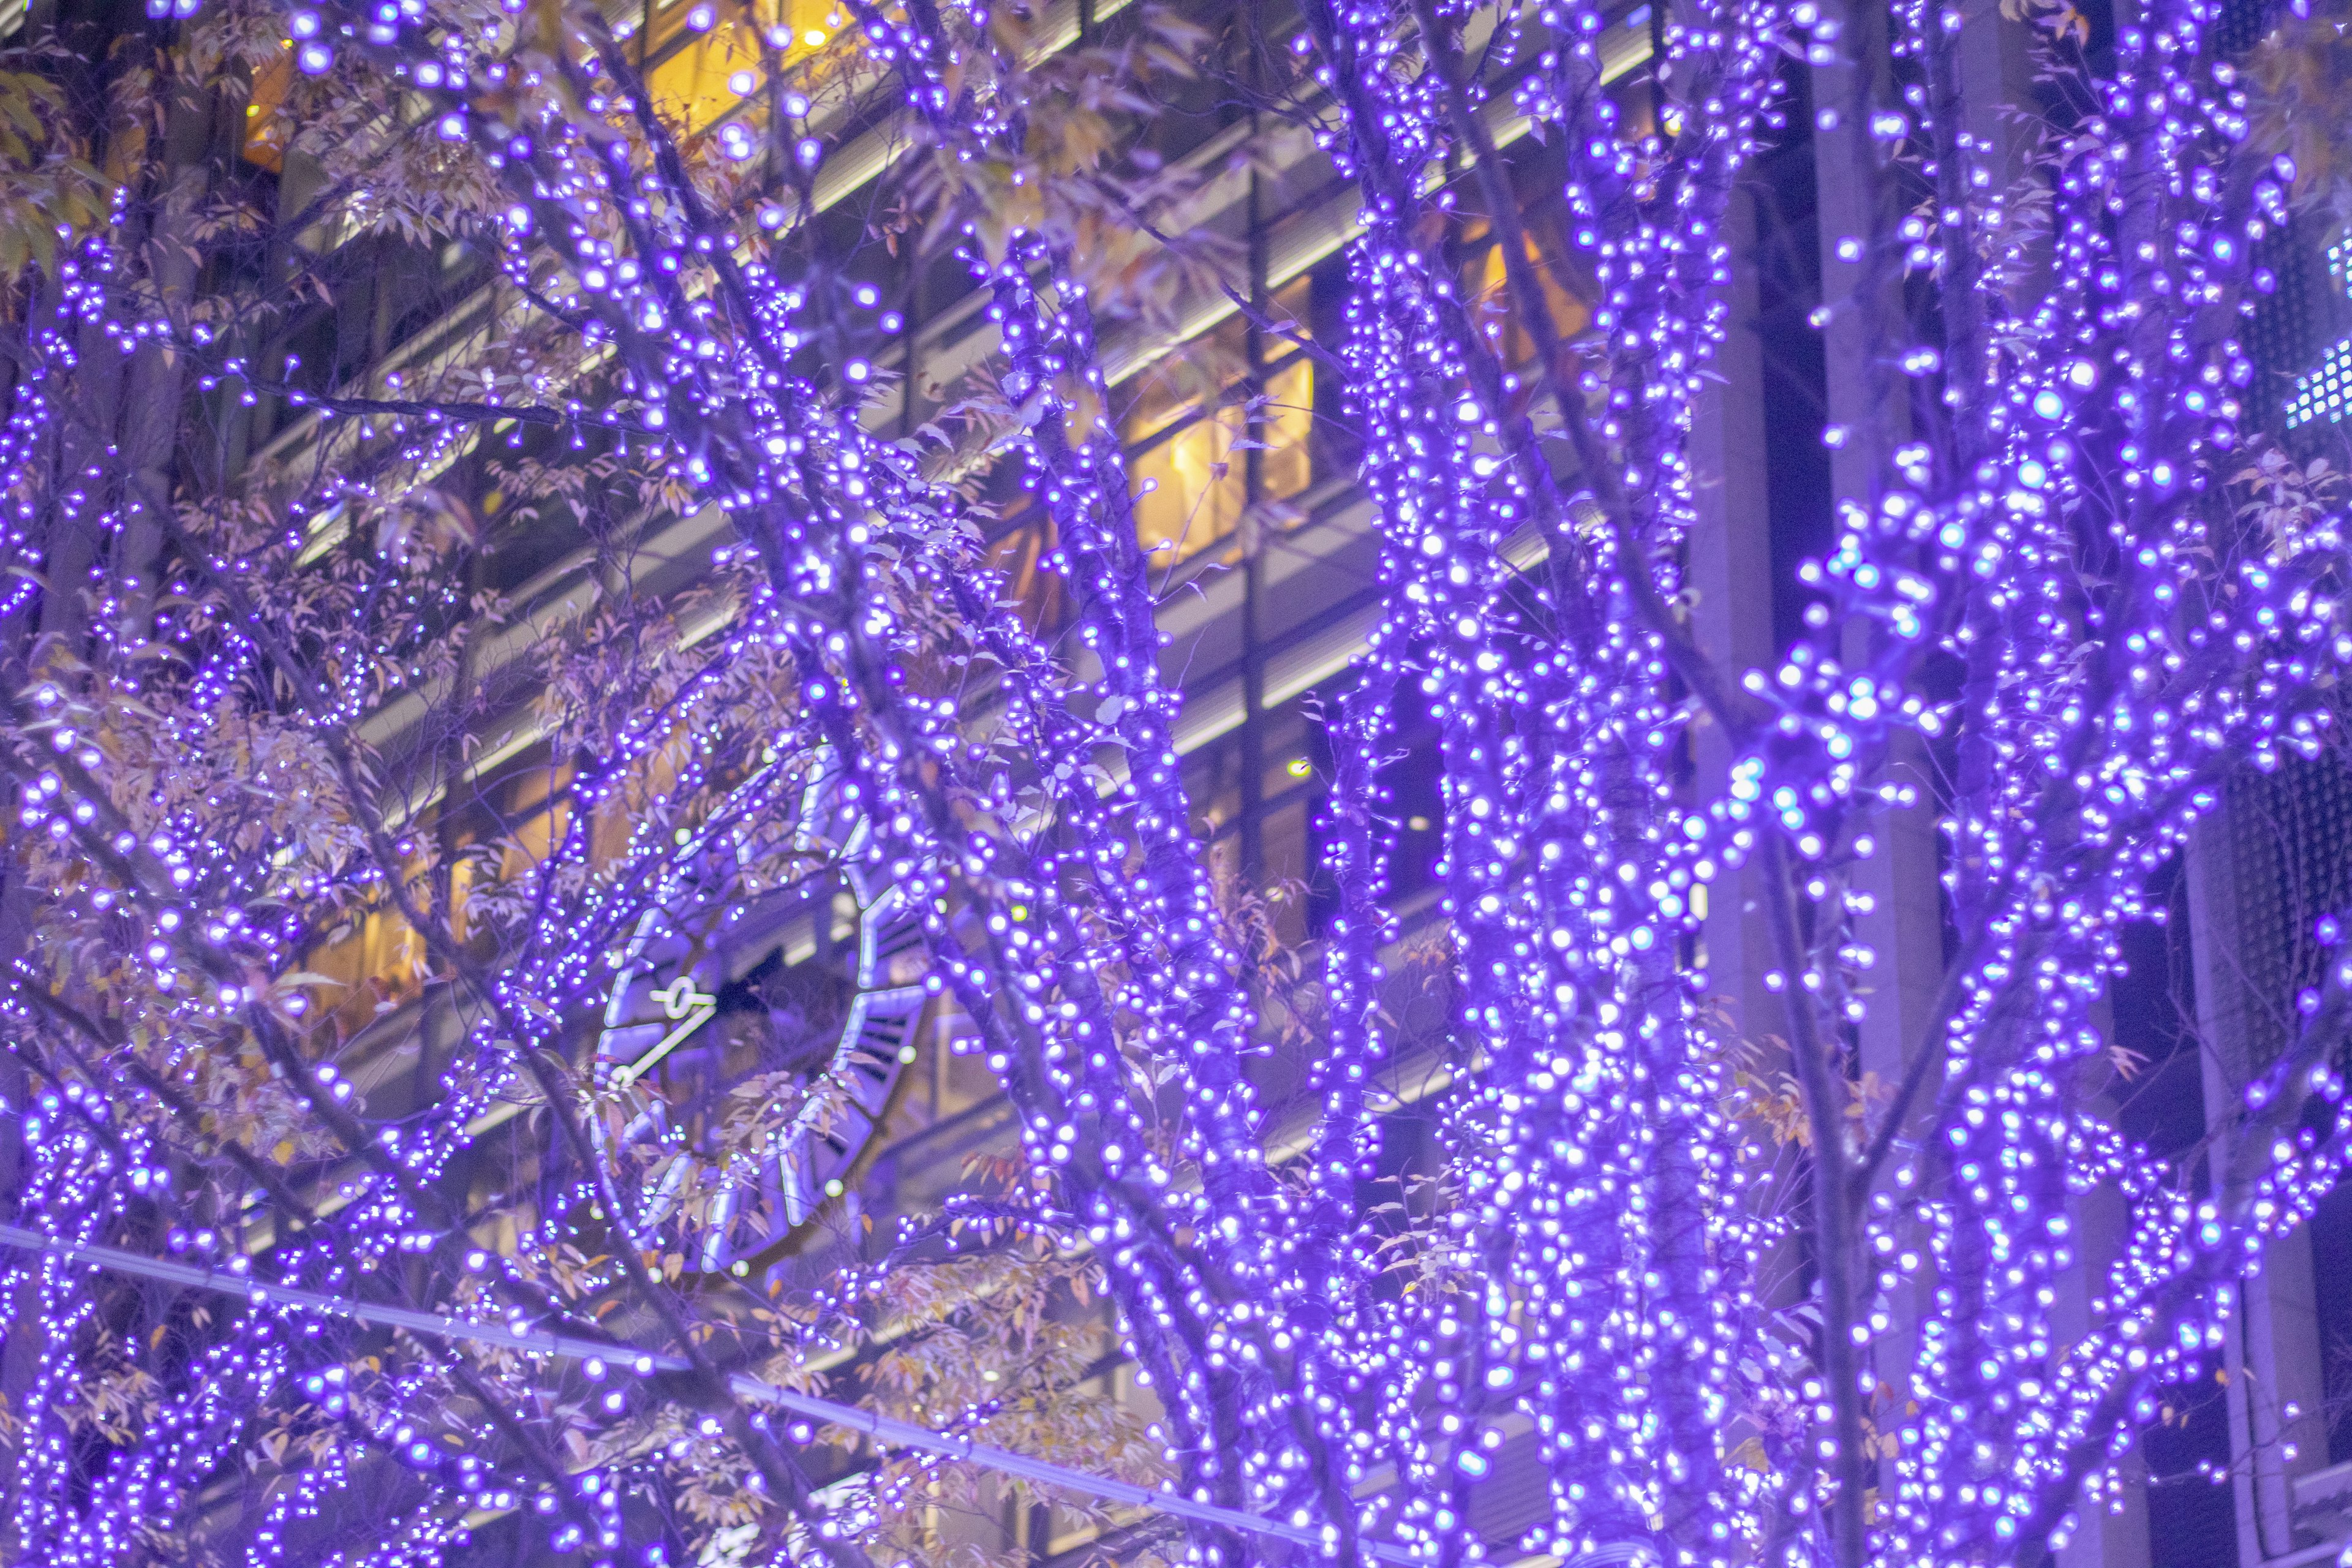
{"x": 2055, "y": 540}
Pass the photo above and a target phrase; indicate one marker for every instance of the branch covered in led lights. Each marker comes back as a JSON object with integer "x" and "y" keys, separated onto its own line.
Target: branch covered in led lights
{"x": 246, "y": 750}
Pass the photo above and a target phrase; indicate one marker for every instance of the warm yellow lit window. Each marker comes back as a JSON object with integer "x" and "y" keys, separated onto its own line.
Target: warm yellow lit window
{"x": 541, "y": 812}
{"x": 377, "y": 964}
{"x": 1190, "y": 487}
{"x": 1568, "y": 314}
{"x": 720, "y": 66}
{"x": 1036, "y": 591}
{"x": 267, "y": 126}
{"x": 706, "y": 77}
{"x": 1289, "y": 420}
{"x": 614, "y": 825}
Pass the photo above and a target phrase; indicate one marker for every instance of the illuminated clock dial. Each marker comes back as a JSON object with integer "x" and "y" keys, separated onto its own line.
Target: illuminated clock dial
{"x": 757, "y": 1041}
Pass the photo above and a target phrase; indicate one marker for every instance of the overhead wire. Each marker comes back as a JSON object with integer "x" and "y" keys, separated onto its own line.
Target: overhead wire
{"x": 884, "y": 1430}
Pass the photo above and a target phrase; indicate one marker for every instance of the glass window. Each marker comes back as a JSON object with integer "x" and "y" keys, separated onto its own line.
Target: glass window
{"x": 1189, "y": 467}
{"x": 720, "y": 66}
{"x": 267, "y": 126}
{"x": 539, "y": 811}
{"x": 1189, "y": 486}
{"x": 1499, "y": 313}
{"x": 709, "y": 76}
{"x": 1017, "y": 555}
{"x": 1288, "y": 425}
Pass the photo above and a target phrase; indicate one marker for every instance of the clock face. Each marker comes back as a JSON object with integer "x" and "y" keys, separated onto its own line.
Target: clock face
{"x": 758, "y": 1039}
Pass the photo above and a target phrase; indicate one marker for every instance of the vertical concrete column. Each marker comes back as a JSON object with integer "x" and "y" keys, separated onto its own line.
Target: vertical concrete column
{"x": 1903, "y": 927}
{"x": 2272, "y": 1354}
{"x": 2109, "y": 1531}
{"x": 1869, "y": 419}
{"x": 1727, "y": 564}
{"x": 1996, "y": 73}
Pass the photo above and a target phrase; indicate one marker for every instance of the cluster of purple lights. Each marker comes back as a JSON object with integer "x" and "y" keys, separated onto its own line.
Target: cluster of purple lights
{"x": 2063, "y": 544}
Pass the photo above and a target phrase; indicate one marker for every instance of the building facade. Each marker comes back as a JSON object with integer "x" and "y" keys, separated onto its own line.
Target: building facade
{"x": 1268, "y": 572}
